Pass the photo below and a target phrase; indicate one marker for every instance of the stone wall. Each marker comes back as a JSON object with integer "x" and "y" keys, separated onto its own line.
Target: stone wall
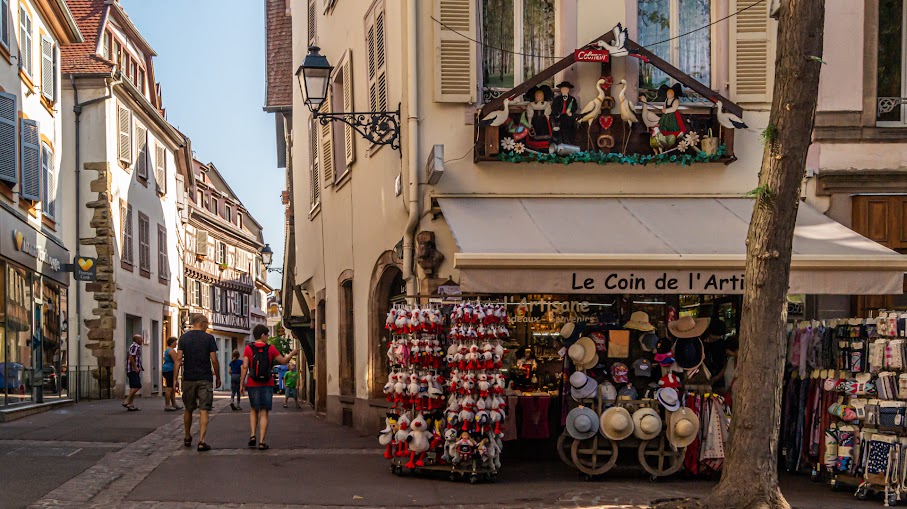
{"x": 103, "y": 323}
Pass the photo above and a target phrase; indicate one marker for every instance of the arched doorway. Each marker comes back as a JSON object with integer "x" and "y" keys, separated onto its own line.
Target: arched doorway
{"x": 385, "y": 289}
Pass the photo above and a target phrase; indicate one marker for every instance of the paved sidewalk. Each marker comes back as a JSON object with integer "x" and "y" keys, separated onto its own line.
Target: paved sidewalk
{"x": 97, "y": 455}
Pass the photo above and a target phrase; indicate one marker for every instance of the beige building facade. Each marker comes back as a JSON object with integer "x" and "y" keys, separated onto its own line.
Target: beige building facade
{"x": 371, "y": 225}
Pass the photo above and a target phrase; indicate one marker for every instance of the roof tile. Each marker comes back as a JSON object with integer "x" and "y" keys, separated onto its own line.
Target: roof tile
{"x": 82, "y": 57}
{"x": 279, "y": 54}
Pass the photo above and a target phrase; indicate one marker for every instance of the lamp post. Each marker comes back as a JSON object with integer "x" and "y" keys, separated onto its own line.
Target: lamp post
{"x": 267, "y": 256}
{"x": 314, "y": 77}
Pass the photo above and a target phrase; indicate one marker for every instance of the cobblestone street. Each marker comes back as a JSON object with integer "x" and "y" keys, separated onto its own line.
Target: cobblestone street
{"x": 94, "y": 454}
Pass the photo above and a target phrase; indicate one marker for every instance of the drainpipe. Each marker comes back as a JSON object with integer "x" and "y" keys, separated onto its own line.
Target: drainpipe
{"x": 412, "y": 144}
{"x": 77, "y": 109}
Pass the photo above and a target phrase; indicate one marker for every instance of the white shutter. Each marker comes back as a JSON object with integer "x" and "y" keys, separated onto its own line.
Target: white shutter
{"x": 4, "y": 23}
{"x": 377, "y": 59}
{"x": 751, "y": 52}
{"x": 141, "y": 151}
{"x": 160, "y": 168}
{"x": 48, "y": 69}
{"x": 327, "y": 147}
{"x": 314, "y": 165}
{"x": 30, "y": 185}
{"x": 454, "y": 55}
{"x": 9, "y": 139}
{"x": 349, "y": 135}
{"x": 26, "y": 52}
{"x": 124, "y": 123}
{"x": 312, "y": 18}
{"x": 49, "y": 182}
{"x": 201, "y": 243}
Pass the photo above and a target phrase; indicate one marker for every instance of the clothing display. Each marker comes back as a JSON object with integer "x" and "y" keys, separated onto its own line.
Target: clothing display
{"x": 844, "y": 408}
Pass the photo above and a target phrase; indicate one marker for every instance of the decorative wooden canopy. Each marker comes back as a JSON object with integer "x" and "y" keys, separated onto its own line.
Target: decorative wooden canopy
{"x": 681, "y": 77}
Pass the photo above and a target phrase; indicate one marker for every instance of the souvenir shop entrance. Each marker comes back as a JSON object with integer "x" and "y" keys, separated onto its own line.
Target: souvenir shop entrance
{"x": 610, "y": 349}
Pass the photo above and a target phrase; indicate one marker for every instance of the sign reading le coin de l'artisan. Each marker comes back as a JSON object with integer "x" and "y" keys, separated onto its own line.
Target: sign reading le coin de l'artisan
{"x": 658, "y": 282}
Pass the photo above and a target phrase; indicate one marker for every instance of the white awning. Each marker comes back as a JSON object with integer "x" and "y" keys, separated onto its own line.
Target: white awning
{"x": 650, "y": 245}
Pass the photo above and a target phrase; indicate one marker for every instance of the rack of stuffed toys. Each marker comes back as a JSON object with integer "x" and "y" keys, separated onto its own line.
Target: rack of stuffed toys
{"x": 844, "y": 413}
{"x": 445, "y": 389}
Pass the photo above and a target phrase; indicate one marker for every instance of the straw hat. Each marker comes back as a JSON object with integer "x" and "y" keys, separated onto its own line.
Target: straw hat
{"x": 639, "y": 320}
{"x": 668, "y": 399}
{"x": 582, "y": 386}
{"x": 646, "y": 423}
{"x": 683, "y": 426}
{"x": 616, "y": 423}
{"x": 688, "y": 327}
{"x": 567, "y": 330}
{"x": 582, "y": 423}
{"x": 583, "y": 353}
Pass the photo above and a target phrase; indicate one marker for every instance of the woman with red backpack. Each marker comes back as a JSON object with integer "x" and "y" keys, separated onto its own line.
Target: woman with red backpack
{"x": 258, "y": 359}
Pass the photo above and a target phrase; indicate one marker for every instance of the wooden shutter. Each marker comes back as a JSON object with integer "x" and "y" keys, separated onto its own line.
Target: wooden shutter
{"x": 201, "y": 243}
{"x": 751, "y": 52}
{"x": 312, "y": 18}
{"x": 349, "y": 135}
{"x": 327, "y": 147}
{"x": 9, "y": 139}
{"x": 454, "y": 55}
{"x": 48, "y": 69}
{"x": 4, "y": 23}
{"x": 124, "y": 121}
{"x": 144, "y": 243}
{"x": 126, "y": 226}
{"x": 25, "y": 42}
{"x": 314, "y": 165}
{"x": 30, "y": 185}
{"x": 377, "y": 59}
{"x": 141, "y": 151}
{"x": 160, "y": 167}
{"x": 163, "y": 263}
{"x": 48, "y": 183}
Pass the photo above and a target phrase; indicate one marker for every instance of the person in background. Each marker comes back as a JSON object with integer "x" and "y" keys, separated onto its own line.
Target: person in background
{"x": 291, "y": 382}
{"x": 256, "y": 377}
{"x": 235, "y": 380}
{"x": 281, "y": 372}
{"x": 170, "y": 355}
{"x": 199, "y": 364}
{"x": 134, "y": 372}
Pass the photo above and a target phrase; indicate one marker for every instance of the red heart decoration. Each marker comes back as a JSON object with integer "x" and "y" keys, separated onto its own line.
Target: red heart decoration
{"x": 605, "y": 121}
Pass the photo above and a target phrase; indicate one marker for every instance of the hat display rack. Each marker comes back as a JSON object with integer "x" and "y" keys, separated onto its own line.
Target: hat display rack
{"x": 446, "y": 389}
{"x": 844, "y": 410}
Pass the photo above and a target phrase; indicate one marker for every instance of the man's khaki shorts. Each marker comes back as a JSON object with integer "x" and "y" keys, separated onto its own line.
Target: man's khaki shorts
{"x": 198, "y": 394}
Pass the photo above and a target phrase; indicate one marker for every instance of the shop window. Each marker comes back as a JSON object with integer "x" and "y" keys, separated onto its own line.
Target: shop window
{"x": 16, "y": 369}
{"x": 525, "y": 27}
{"x": 347, "y": 340}
{"x": 660, "y": 20}
{"x": 51, "y": 340}
{"x": 891, "y": 88}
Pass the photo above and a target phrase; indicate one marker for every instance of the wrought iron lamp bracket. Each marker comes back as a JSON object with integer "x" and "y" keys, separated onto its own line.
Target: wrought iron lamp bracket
{"x": 378, "y": 127}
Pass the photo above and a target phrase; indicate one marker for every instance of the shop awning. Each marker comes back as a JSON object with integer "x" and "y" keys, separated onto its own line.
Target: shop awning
{"x": 649, "y": 245}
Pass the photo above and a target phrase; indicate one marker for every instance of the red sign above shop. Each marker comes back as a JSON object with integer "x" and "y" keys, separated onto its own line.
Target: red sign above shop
{"x": 591, "y": 55}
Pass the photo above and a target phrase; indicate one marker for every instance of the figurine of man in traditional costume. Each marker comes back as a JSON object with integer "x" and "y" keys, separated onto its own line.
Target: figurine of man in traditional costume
{"x": 563, "y": 109}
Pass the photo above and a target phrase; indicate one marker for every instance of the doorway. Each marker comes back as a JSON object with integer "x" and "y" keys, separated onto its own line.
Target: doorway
{"x": 156, "y": 357}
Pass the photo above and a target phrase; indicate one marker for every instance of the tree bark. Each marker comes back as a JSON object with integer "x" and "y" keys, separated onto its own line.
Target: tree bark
{"x": 749, "y": 477}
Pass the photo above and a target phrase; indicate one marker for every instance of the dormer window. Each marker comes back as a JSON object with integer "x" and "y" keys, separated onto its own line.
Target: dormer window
{"x": 228, "y": 214}
{"x": 213, "y": 208}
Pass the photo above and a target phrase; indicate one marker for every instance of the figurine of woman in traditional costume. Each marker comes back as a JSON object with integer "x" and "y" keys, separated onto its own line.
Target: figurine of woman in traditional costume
{"x": 538, "y": 111}
{"x": 671, "y": 122}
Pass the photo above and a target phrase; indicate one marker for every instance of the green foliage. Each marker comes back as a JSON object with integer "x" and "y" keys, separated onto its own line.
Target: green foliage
{"x": 769, "y": 134}
{"x": 762, "y": 191}
{"x": 817, "y": 59}
{"x": 613, "y": 158}
{"x": 282, "y": 344}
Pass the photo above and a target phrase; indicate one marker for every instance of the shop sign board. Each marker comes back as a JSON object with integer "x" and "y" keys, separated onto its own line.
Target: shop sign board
{"x": 696, "y": 281}
{"x": 25, "y": 245}
{"x": 591, "y": 55}
{"x": 85, "y": 269}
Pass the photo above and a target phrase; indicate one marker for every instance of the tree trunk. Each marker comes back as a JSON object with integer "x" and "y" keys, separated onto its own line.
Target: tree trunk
{"x": 749, "y": 477}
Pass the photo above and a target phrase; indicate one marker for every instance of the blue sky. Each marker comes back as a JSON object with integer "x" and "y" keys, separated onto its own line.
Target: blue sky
{"x": 211, "y": 66}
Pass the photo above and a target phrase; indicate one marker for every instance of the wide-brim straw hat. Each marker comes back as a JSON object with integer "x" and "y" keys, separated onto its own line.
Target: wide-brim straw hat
{"x": 683, "y": 427}
{"x": 567, "y": 330}
{"x": 582, "y": 386}
{"x": 639, "y": 320}
{"x": 583, "y": 353}
{"x": 668, "y": 398}
{"x": 688, "y": 327}
{"x": 616, "y": 423}
{"x": 582, "y": 423}
{"x": 646, "y": 423}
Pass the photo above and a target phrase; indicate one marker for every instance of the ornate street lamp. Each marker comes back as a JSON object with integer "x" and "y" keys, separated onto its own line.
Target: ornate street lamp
{"x": 314, "y": 77}
{"x": 267, "y": 256}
